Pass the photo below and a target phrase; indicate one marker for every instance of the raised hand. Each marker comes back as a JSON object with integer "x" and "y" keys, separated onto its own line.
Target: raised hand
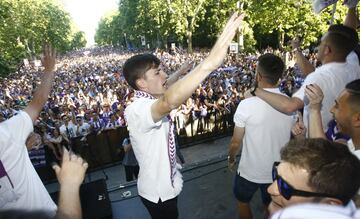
{"x": 315, "y": 95}
{"x": 219, "y": 50}
{"x": 72, "y": 170}
{"x": 49, "y": 58}
{"x": 299, "y": 129}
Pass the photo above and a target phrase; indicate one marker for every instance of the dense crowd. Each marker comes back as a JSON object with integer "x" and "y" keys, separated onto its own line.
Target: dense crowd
{"x": 89, "y": 86}
{"x": 90, "y": 93}
{"x": 290, "y": 161}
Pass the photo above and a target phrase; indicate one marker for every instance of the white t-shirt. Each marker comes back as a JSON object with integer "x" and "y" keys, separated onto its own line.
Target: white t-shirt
{"x": 331, "y": 78}
{"x": 352, "y": 58}
{"x": 28, "y": 191}
{"x": 150, "y": 144}
{"x": 317, "y": 211}
{"x": 70, "y": 132}
{"x": 266, "y": 132}
{"x": 84, "y": 129}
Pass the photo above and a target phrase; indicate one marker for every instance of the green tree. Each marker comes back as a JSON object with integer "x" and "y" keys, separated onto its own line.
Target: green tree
{"x": 78, "y": 40}
{"x": 104, "y": 33}
{"x": 289, "y": 18}
{"x": 25, "y": 25}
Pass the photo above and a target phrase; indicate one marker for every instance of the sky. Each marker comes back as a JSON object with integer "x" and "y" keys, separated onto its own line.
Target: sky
{"x": 87, "y": 13}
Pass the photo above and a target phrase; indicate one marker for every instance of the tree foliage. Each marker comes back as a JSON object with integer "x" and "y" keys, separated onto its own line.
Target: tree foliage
{"x": 25, "y": 25}
{"x": 198, "y": 22}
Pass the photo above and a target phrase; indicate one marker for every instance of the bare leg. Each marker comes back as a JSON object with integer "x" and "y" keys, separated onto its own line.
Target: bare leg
{"x": 244, "y": 210}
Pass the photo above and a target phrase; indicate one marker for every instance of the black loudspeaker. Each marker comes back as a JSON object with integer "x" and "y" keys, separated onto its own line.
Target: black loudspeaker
{"x": 95, "y": 202}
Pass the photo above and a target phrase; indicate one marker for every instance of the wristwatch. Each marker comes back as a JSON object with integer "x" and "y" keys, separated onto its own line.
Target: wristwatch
{"x": 253, "y": 89}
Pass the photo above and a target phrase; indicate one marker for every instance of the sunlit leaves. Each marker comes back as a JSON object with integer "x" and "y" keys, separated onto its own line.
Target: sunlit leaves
{"x": 25, "y": 25}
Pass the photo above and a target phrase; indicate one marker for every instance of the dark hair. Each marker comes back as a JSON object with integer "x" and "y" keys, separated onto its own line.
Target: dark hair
{"x": 136, "y": 66}
{"x": 332, "y": 168}
{"x": 353, "y": 88}
{"x": 341, "y": 42}
{"x": 271, "y": 67}
{"x": 348, "y": 32}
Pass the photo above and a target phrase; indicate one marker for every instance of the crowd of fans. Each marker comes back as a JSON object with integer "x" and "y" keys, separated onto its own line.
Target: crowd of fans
{"x": 90, "y": 93}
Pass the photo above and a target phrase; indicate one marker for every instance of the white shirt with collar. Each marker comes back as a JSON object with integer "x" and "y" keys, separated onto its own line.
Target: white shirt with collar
{"x": 150, "y": 144}
{"x": 331, "y": 78}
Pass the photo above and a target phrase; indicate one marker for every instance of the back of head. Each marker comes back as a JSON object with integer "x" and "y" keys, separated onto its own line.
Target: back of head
{"x": 271, "y": 67}
{"x": 343, "y": 39}
{"x": 136, "y": 66}
{"x": 346, "y": 31}
{"x": 332, "y": 168}
{"x": 353, "y": 88}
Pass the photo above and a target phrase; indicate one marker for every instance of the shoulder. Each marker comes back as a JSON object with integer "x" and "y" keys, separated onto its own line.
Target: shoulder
{"x": 139, "y": 104}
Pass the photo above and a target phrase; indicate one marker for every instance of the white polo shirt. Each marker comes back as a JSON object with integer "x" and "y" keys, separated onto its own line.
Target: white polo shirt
{"x": 150, "y": 144}
{"x": 266, "y": 132}
{"x": 332, "y": 79}
{"x": 27, "y": 190}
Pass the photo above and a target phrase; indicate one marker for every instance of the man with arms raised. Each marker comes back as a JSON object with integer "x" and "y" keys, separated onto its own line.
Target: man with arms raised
{"x": 150, "y": 127}
{"x": 332, "y": 76}
{"x": 20, "y": 186}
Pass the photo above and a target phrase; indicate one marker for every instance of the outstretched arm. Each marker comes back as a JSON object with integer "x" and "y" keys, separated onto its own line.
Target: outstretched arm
{"x": 305, "y": 66}
{"x": 280, "y": 102}
{"x": 176, "y": 75}
{"x": 42, "y": 92}
{"x": 182, "y": 89}
{"x": 351, "y": 19}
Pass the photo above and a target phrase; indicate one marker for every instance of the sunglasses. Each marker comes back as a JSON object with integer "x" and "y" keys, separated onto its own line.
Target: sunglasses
{"x": 287, "y": 191}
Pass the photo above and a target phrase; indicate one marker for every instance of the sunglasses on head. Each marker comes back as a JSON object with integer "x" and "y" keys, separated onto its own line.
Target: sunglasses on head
{"x": 287, "y": 191}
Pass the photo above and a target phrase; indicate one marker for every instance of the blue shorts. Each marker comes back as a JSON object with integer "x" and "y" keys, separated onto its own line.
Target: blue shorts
{"x": 244, "y": 190}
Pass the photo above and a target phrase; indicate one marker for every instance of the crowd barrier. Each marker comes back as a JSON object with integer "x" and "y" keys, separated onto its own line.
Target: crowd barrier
{"x": 104, "y": 149}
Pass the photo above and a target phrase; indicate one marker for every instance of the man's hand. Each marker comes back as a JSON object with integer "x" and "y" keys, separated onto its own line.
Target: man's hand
{"x": 42, "y": 92}
{"x": 49, "y": 59}
{"x": 231, "y": 164}
{"x": 315, "y": 95}
{"x": 299, "y": 129}
{"x": 219, "y": 50}
{"x": 72, "y": 170}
